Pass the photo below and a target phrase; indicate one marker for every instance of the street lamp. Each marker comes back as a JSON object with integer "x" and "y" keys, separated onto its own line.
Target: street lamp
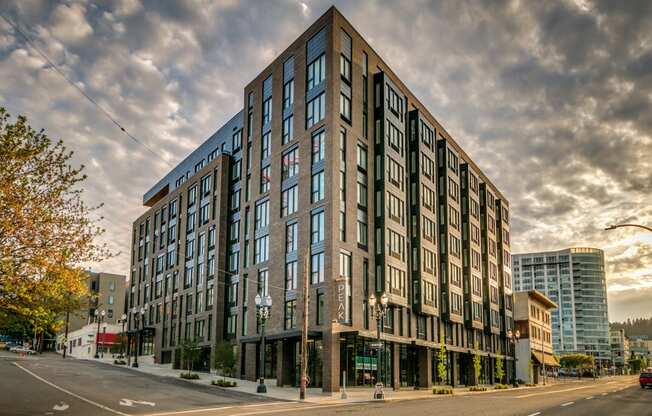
{"x": 379, "y": 310}
{"x": 263, "y": 306}
{"x": 99, "y": 316}
{"x": 139, "y": 315}
{"x": 613, "y": 227}
{"x": 513, "y": 337}
{"x": 123, "y": 320}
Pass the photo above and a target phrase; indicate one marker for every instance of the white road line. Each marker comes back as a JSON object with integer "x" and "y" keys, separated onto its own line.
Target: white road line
{"x": 567, "y": 404}
{"x": 604, "y": 394}
{"x": 211, "y": 409}
{"x": 589, "y": 398}
{"x": 534, "y": 414}
{"x": 552, "y": 392}
{"x": 84, "y": 399}
{"x": 256, "y": 412}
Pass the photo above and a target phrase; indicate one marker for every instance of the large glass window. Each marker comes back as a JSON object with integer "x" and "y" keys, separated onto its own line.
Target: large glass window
{"x": 291, "y": 275}
{"x": 317, "y": 268}
{"x": 290, "y": 164}
{"x": 265, "y": 179}
{"x": 262, "y": 215}
{"x": 316, "y": 72}
{"x": 291, "y": 237}
{"x": 261, "y": 249}
{"x": 315, "y": 110}
{"x": 288, "y": 129}
{"x": 267, "y": 111}
{"x": 288, "y": 93}
{"x": 317, "y": 227}
{"x": 289, "y": 201}
{"x": 317, "y": 193}
{"x": 318, "y": 146}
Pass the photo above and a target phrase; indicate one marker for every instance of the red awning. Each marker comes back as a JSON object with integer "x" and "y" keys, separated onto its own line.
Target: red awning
{"x": 108, "y": 338}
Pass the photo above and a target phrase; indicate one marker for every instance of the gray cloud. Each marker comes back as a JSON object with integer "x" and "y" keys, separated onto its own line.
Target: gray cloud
{"x": 551, "y": 99}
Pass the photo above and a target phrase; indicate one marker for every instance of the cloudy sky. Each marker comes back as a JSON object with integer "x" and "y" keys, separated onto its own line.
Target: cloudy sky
{"x": 552, "y": 99}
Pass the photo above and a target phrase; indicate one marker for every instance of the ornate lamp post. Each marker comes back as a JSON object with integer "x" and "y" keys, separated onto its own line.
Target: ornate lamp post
{"x": 139, "y": 315}
{"x": 513, "y": 337}
{"x": 99, "y": 316}
{"x": 379, "y": 310}
{"x": 123, "y": 320}
{"x": 263, "y": 305}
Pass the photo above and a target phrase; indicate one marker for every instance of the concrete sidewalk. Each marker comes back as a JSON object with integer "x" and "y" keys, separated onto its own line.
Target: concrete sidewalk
{"x": 313, "y": 395}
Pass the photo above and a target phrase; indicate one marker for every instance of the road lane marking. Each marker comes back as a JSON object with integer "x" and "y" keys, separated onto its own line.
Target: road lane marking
{"x": 567, "y": 404}
{"x": 257, "y": 412}
{"x": 211, "y": 409}
{"x": 552, "y": 392}
{"x": 534, "y": 414}
{"x": 604, "y": 394}
{"x": 131, "y": 403}
{"x": 61, "y": 406}
{"x": 589, "y": 398}
{"x": 84, "y": 399}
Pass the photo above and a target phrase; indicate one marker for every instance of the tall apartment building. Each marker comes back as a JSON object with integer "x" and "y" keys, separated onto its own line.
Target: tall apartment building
{"x": 334, "y": 172}
{"x": 106, "y": 292}
{"x": 573, "y": 278}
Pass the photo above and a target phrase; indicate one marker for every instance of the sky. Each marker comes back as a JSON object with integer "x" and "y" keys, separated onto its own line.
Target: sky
{"x": 551, "y": 99}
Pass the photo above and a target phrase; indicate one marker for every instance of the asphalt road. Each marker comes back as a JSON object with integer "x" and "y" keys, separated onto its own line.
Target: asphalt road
{"x": 48, "y": 385}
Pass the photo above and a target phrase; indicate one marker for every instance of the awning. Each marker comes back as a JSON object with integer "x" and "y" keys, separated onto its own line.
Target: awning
{"x": 550, "y": 360}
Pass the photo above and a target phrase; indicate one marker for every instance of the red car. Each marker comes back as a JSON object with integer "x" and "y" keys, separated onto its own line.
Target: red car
{"x": 645, "y": 379}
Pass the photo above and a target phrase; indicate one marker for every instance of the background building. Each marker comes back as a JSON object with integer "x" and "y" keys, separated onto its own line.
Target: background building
{"x": 574, "y": 279}
{"x": 335, "y": 173}
{"x": 619, "y": 350}
{"x": 81, "y": 342}
{"x": 106, "y": 293}
{"x": 532, "y": 318}
{"x": 640, "y": 346}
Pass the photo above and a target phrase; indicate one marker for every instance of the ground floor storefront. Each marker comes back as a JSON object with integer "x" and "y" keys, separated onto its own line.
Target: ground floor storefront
{"x": 353, "y": 360}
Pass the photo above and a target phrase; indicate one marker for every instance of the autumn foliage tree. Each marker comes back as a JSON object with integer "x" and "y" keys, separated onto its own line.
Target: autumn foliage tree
{"x": 47, "y": 232}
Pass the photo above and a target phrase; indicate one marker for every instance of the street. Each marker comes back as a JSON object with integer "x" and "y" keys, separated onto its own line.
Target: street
{"x": 48, "y": 385}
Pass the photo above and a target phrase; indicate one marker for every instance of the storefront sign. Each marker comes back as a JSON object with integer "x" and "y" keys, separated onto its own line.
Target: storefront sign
{"x": 342, "y": 301}
{"x": 365, "y": 363}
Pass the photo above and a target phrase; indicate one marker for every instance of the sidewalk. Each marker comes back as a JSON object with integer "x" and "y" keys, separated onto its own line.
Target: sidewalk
{"x": 313, "y": 395}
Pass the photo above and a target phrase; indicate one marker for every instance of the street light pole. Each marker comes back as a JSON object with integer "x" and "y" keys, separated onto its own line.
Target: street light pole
{"x": 122, "y": 335}
{"x": 379, "y": 311}
{"x": 263, "y": 305}
{"x": 514, "y": 337}
{"x": 98, "y": 316}
{"x": 138, "y": 316}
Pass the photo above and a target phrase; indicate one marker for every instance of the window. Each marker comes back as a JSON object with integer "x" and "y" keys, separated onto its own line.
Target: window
{"x": 204, "y": 213}
{"x": 192, "y": 196}
{"x": 452, "y": 161}
{"x": 262, "y": 215}
{"x": 290, "y": 164}
{"x": 265, "y": 179}
{"x": 291, "y": 237}
{"x": 345, "y": 107}
{"x": 190, "y": 224}
{"x": 317, "y": 268}
{"x": 394, "y": 101}
{"x": 290, "y": 314}
{"x": 362, "y": 194}
{"x": 453, "y": 190}
{"x": 395, "y": 172}
{"x": 316, "y": 72}
{"x": 288, "y": 129}
{"x": 315, "y": 110}
{"x": 345, "y": 68}
{"x": 190, "y": 249}
{"x": 261, "y": 249}
{"x": 317, "y": 227}
{"x": 265, "y": 146}
{"x": 428, "y": 198}
{"x": 427, "y": 167}
{"x": 429, "y": 261}
{"x": 291, "y": 275}
{"x": 206, "y": 185}
{"x": 236, "y": 140}
{"x": 267, "y": 111}
{"x": 396, "y": 244}
{"x": 429, "y": 229}
{"x": 318, "y": 146}
{"x": 288, "y": 93}
{"x": 362, "y": 157}
{"x": 396, "y": 208}
{"x": 394, "y": 137}
{"x": 110, "y": 301}
{"x": 289, "y": 201}
{"x": 362, "y": 232}
{"x": 454, "y": 218}
{"x": 317, "y": 192}
{"x": 321, "y": 302}
{"x": 263, "y": 282}
{"x": 188, "y": 276}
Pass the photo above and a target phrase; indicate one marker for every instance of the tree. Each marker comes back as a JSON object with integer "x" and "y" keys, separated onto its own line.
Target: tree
{"x": 189, "y": 353}
{"x": 477, "y": 367}
{"x": 442, "y": 369}
{"x": 500, "y": 372}
{"x": 46, "y": 230}
{"x": 224, "y": 359}
{"x": 577, "y": 361}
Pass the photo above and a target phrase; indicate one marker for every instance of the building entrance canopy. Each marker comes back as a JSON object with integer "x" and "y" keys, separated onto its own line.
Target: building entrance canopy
{"x": 550, "y": 360}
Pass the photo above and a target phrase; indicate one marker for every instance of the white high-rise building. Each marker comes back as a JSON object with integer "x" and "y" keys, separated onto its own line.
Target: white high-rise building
{"x": 573, "y": 278}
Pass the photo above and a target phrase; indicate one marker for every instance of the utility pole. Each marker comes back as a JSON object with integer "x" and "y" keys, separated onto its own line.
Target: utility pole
{"x": 304, "y": 332}
{"x": 65, "y": 337}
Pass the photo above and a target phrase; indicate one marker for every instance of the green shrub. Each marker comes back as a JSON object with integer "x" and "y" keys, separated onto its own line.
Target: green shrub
{"x": 189, "y": 376}
{"x": 501, "y": 386}
{"x": 442, "y": 390}
{"x": 224, "y": 383}
{"x": 477, "y": 388}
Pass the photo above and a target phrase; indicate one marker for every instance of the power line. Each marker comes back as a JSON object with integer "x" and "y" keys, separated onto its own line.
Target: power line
{"x": 79, "y": 89}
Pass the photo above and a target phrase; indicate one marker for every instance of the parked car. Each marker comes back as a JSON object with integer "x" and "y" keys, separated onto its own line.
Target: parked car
{"x": 645, "y": 379}
{"x": 22, "y": 350}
